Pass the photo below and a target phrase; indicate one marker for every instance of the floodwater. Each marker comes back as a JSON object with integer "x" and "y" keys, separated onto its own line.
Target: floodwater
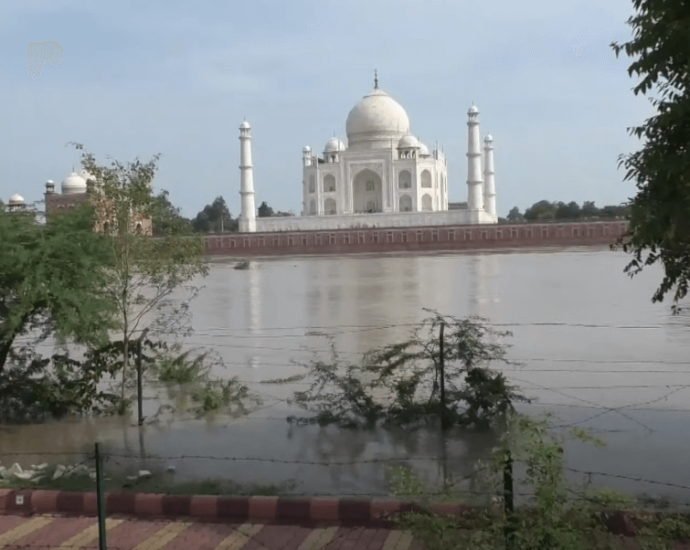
{"x": 594, "y": 350}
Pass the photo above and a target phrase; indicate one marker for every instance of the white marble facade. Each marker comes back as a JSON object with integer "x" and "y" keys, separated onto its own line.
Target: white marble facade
{"x": 383, "y": 169}
{"x": 384, "y": 176}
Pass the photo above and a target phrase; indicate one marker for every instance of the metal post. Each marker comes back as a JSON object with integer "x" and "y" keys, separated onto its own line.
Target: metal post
{"x": 508, "y": 508}
{"x": 140, "y": 396}
{"x": 139, "y": 384}
{"x": 100, "y": 500}
{"x": 444, "y": 423}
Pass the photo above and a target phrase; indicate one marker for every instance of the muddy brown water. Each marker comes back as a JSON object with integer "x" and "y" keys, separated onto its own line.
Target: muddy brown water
{"x": 595, "y": 351}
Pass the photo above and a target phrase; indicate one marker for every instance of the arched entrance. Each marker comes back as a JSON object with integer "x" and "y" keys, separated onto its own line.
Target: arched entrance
{"x": 329, "y": 206}
{"x": 405, "y": 179}
{"x": 426, "y": 178}
{"x": 329, "y": 183}
{"x": 367, "y": 192}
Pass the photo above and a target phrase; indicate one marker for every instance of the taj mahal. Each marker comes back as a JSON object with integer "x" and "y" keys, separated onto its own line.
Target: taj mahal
{"x": 383, "y": 177}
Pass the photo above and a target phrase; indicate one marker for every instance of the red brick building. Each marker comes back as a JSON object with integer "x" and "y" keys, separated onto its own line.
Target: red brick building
{"x": 79, "y": 188}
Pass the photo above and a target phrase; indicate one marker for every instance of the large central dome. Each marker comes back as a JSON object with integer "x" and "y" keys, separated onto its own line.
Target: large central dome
{"x": 375, "y": 121}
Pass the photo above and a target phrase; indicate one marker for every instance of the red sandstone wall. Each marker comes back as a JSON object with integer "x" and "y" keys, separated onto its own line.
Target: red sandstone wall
{"x": 449, "y": 238}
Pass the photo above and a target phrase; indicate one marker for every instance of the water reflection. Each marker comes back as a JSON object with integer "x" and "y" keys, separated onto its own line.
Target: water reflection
{"x": 475, "y": 294}
{"x": 254, "y": 296}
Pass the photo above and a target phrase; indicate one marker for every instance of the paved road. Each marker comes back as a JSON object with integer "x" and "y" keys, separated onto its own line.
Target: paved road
{"x": 46, "y": 532}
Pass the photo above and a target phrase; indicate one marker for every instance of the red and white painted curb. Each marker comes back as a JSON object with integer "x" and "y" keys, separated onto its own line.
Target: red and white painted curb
{"x": 375, "y": 513}
{"x": 263, "y": 509}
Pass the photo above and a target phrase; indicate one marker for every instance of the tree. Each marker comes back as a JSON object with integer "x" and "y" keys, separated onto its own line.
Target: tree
{"x": 614, "y": 211}
{"x": 51, "y": 285}
{"x": 265, "y": 211}
{"x": 570, "y": 211}
{"x": 167, "y": 219}
{"x": 660, "y": 211}
{"x": 589, "y": 210}
{"x": 215, "y": 218}
{"x": 514, "y": 215}
{"x": 143, "y": 272}
{"x": 50, "y": 280}
{"x": 541, "y": 211}
{"x": 437, "y": 373}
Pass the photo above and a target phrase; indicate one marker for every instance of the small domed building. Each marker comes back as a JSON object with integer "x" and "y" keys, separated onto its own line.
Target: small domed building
{"x": 383, "y": 177}
{"x": 77, "y": 188}
{"x": 16, "y": 203}
{"x": 73, "y": 191}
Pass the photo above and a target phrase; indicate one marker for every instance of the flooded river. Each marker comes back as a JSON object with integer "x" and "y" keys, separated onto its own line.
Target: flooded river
{"x": 595, "y": 351}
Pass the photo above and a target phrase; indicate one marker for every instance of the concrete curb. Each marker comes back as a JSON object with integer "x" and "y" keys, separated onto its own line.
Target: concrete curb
{"x": 263, "y": 509}
{"x": 308, "y": 512}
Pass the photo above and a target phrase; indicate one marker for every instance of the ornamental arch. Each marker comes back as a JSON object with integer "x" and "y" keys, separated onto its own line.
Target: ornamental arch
{"x": 405, "y": 203}
{"x": 426, "y": 178}
{"x": 405, "y": 179}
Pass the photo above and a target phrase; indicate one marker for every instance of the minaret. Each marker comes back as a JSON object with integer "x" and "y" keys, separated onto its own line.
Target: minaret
{"x": 489, "y": 185}
{"x": 306, "y": 155}
{"x": 248, "y": 215}
{"x": 474, "y": 162}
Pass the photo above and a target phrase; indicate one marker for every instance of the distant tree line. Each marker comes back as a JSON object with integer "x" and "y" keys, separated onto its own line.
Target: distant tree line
{"x": 549, "y": 211}
{"x": 213, "y": 218}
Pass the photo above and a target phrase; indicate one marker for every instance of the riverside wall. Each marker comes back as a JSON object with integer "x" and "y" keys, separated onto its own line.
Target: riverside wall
{"x": 415, "y": 239}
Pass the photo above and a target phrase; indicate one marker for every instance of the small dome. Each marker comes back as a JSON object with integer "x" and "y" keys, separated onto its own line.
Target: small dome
{"x": 306, "y": 149}
{"x": 408, "y": 141}
{"x": 86, "y": 176}
{"x": 50, "y": 183}
{"x": 16, "y": 200}
{"x": 334, "y": 145}
{"x": 73, "y": 183}
{"x": 473, "y": 110}
{"x": 423, "y": 150}
{"x": 488, "y": 138}
{"x": 244, "y": 125}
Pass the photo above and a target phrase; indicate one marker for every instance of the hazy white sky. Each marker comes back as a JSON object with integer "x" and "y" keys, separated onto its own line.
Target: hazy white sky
{"x": 177, "y": 77}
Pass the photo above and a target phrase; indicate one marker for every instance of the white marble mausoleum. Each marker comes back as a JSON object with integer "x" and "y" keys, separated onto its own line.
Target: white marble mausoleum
{"x": 383, "y": 177}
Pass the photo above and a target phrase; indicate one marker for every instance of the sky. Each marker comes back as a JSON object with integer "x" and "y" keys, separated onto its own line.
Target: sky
{"x": 178, "y": 77}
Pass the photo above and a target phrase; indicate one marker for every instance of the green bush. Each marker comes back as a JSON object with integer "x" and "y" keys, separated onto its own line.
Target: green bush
{"x": 191, "y": 369}
{"x": 180, "y": 367}
{"x": 214, "y": 395}
{"x": 424, "y": 379}
{"x": 558, "y": 516}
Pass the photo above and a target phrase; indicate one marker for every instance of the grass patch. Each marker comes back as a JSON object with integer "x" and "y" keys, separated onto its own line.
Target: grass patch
{"x": 159, "y": 482}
